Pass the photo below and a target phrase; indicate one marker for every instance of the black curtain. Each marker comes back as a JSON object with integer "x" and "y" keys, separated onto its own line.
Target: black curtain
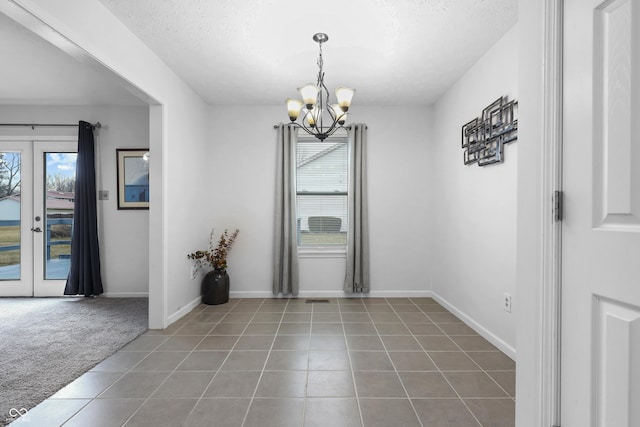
{"x": 84, "y": 274}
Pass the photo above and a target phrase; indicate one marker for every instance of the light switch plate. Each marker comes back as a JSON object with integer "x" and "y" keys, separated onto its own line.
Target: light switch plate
{"x": 103, "y": 195}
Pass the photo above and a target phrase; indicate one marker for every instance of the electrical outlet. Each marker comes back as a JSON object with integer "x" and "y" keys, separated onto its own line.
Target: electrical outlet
{"x": 507, "y": 302}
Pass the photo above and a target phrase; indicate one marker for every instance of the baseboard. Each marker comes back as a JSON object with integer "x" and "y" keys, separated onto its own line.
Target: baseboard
{"x": 184, "y": 310}
{"x": 400, "y": 294}
{"x": 333, "y": 294}
{"x": 486, "y": 334}
{"x": 125, "y": 295}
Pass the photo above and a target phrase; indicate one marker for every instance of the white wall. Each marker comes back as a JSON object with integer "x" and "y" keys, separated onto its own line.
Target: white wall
{"x": 123, "y": 235}
{"x": 400, "y": 193}
{"x": 242, "y": 183}
{"x": 180, "y": 142}
{"x": 473, "y": 259}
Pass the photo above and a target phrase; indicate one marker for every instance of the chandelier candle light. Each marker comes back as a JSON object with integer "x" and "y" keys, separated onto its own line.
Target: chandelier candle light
{"x": 315, "y": 103}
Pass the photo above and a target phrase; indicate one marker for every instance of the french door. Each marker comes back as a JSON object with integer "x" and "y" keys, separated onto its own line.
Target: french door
{"x": 37, "y": 184}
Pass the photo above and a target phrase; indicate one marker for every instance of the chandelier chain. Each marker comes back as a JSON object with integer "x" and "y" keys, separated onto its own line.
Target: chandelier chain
{"x": 320, "y": 61}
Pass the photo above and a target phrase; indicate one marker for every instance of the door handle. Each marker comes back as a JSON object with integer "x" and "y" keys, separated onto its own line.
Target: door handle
{"x": 36, "y": 230}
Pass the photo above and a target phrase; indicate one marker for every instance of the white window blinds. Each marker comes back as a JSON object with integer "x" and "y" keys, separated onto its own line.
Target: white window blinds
{"x": 321, "y": 187}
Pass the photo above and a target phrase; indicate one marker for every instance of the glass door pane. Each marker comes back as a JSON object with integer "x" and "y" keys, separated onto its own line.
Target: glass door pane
{"x": 54, "y": 171}
{"x": 10, "y": 215}
{"x": 59, "y": 197}
{"x": 16, "y": 202}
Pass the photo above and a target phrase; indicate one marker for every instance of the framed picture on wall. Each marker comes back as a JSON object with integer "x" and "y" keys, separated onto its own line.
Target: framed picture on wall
{"x": 133, "y": 178}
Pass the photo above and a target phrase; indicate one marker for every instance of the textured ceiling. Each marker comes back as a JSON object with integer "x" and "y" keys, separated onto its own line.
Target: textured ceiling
{"x": 259, "y": 51}
{"x": 394, "y": 52}
{"x": 34, "y": 72}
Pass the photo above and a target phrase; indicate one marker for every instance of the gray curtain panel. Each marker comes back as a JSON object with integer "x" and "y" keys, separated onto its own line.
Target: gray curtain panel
{"x": 286, "y": 270}
{"x": 357, "y": 277}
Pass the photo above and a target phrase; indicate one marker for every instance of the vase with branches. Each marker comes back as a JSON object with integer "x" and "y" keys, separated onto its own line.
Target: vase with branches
{"x": 215, "y": 284}
{"x": 216, "y": 256}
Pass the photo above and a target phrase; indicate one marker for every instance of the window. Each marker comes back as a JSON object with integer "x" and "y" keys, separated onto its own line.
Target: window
{"x": 321, "y": 187}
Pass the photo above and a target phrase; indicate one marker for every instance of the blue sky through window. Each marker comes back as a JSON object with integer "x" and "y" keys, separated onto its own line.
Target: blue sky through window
{"x": 61, "y": 163}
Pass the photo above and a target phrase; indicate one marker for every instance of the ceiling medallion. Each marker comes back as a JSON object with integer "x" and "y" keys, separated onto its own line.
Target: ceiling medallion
{"x": 315, "y": 103}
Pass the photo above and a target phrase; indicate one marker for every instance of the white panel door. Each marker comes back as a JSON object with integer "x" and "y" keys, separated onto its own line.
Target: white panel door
{"x": 601, "y": 229}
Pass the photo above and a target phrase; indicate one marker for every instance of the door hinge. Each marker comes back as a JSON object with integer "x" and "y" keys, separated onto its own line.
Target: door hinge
{"x": 558, "y": 208}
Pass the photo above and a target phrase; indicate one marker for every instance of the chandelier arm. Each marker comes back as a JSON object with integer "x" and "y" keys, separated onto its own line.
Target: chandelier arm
{"x": 307, "y": 129}
{"x": 326, "y": 104}
{"x": 336, "y": 123}
{"x": 321, "y": 109}
{"x": 305, "y": 115}
{"x": 334, "y": 129}
{"x": 303, "y": 128}
{"x": 331, "y": 128}
{"x": 338, "y": 116}
{"x": 330, "y": 131}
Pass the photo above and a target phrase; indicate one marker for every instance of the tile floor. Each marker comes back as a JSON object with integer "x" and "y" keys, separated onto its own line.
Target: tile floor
{"x": 277, "y": 362}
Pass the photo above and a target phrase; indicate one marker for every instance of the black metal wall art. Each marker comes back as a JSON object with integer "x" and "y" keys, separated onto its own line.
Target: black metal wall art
{"x": 484, "y": 137}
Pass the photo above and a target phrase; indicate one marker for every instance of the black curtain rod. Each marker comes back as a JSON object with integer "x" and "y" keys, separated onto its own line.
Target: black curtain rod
{"x": 96, "y": 125}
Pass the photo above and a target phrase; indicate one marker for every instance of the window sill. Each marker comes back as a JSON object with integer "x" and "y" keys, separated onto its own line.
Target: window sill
{"x": 322, "y": 252}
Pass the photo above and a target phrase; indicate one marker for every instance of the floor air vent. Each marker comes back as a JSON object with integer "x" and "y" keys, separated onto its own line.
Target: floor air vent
{"x": 313, "y": 301}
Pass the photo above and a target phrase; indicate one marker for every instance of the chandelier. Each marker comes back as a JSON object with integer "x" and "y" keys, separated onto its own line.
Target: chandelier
{"x": 315, "y": 107}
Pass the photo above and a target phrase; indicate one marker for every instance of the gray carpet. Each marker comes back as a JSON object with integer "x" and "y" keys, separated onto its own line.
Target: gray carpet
{"x": 45, "y": 343}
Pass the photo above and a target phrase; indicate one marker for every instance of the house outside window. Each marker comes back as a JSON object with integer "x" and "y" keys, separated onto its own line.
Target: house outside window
{"x": 322, "y": 171}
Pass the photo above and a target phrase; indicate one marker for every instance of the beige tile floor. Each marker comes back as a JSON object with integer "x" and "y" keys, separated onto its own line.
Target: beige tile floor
{"x": 277, "y": 362}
